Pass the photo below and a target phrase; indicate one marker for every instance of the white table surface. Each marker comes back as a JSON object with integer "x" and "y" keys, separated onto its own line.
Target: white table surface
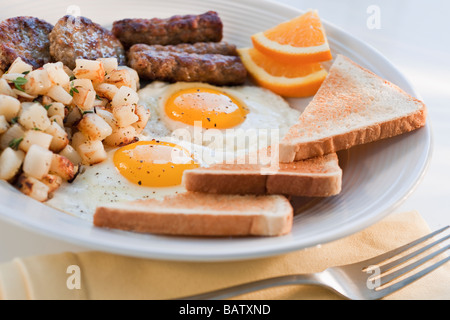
{"x": 413, "y": 34}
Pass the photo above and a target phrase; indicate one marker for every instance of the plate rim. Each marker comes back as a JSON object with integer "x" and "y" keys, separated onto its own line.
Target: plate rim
{"x": 286, "y": 247}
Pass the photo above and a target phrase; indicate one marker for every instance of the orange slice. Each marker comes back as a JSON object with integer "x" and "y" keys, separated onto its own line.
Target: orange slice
{"x": 301, "y": 39}
{"x": 286, "y": 79}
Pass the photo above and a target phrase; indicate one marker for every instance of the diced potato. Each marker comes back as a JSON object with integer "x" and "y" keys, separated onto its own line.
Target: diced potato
{"x": 6, "y": 89}
{"x": 73, "y": 117}
{"x": 120, "y": 78}
{"x": 106, "y": 90}
{"x": 143, "y": 115}
{"x": 109, "y": 64}
{"x": 125, "y": 115}
{"x": 63, "y": 167}
{"x": 89, "y": 69}
{"x": 9, "y": 107}
{"x": 33, "y": 137}
{"x": 121, "y": 137}
{"x": 108, "y": 117}
{"x": 70, "y": 132}
{"x": 92, "y": 152}
{"x": 125, "y": 96}
{"x": 53, "y": 182}
{"x": 94, "y": 127}
{"x": 84, "y": 98}
{"x": 60, "y": 138}
{"x": 20, "y": 66}
{"x": 58, "y": 93}
{"x": 56, "y": 109}
{"x": 68, "y": 71}
{"x": 24, "y": 96}
{"x": 102, "y": 102}
{"x": 4, "y": 125}
{"x": 37, "y": 161}
{"x": 70, "y": 153}
{"x": 34, "y": 116}
{"x": 15, "y": 132}
{"x": 78, "y": 138}
{"x": 12, "y": 76}
{"x": 56, "y": 74}
{"x": 135, "y": 84}
{"x": 46, "y": 100}
{"x": 38, "y": 82}
{"x": 26, "y": 105}
{"x": 83, "y": 83}
{"x": 58, "y": 119}
{"x": 34, "y": 188}
{"x": 10, "y": 163}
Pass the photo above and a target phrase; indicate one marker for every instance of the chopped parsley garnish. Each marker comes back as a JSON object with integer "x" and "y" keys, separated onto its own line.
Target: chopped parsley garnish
{"x": 47, "y": 106}
{"x": 97, "y": 97}
{"x": 14, "y": 120}
{"x": 26, "y": 72}
{"x": 72, "y": 90}
{"x": 88, "y": 111}
{"x": 72, "y": 78}
{"x": 14, "y": 144}
{"x": 19, "y": 82}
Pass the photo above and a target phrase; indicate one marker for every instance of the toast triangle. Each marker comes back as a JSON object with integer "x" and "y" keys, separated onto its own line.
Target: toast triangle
{"x": 352, "y": 107}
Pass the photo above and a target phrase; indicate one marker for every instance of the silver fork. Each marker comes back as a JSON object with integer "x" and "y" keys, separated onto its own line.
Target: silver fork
{"x": 366, "y": 280}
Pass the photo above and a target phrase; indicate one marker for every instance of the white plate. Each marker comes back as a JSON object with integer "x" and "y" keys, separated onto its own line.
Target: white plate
{"x": 377, "y": 177}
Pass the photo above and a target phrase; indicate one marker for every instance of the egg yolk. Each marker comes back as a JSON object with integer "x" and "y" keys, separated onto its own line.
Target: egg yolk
{"x": 153, "y": 163}
{"x": 215, "y": 109}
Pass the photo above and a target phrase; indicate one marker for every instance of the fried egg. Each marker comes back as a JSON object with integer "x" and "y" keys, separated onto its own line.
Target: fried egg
{"x": 228, "y": 112}
{"x": 142, "y": 170}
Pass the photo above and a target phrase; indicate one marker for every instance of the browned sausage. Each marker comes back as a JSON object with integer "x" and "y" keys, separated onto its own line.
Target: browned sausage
{"x": 79, "y": 37}
{"x": 224, "y": 48}
{"x": 191, "y": 67}
{"x": 24, "y": 37}
{"x": 205, "y": 27}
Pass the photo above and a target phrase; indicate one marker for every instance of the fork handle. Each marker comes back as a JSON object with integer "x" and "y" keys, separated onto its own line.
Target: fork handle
{"x": 312, "y": 279}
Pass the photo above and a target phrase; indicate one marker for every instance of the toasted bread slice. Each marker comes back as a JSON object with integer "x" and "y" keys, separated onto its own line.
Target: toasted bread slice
{"x": 352, "y": 107}
{"x": 316, "y": 177}
{"x": 201, "y": 214}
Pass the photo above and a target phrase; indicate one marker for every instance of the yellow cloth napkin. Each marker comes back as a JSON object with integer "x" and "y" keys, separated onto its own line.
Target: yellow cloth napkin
{"x": 109, "y": 276}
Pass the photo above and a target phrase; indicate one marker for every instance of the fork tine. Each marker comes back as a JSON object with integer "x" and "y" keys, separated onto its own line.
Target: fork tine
{"x": 397, "y": 286}
{"x": 399, "y": 261}
{"x": 392, "y": 253}
{"x": 386, "y": 279}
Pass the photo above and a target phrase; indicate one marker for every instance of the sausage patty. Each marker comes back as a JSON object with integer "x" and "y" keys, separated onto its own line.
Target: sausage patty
{"x": 79, "y": 38}
{"x": 205, "y": 27}
{"x": 172, "y": 66}
{"x": 24, "y": 37}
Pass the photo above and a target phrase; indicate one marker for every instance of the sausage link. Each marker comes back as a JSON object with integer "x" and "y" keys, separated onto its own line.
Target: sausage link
{"x": 205, "y": 27}
{"x": 190, "y": 67}
{"x": 223, "y": 48}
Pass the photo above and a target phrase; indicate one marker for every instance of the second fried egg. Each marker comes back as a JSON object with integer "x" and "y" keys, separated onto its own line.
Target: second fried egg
{"x": 230, "y": 112}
